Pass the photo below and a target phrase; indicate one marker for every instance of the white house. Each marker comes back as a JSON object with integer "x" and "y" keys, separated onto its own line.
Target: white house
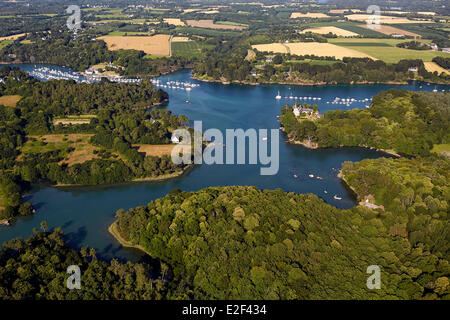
{"x": 298, "y": 110}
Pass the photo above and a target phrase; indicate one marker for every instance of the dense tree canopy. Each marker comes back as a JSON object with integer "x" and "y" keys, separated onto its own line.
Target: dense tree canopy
{"x": 36, "y": 269}
{"x": 243, "y": 243}
{"x": 406, "y": 122}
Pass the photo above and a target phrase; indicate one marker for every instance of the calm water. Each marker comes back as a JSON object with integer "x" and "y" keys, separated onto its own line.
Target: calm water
{"x": 85, "y": 213}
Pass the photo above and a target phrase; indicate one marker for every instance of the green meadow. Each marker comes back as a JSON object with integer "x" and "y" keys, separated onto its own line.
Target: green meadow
{"x": 386, "y": 50}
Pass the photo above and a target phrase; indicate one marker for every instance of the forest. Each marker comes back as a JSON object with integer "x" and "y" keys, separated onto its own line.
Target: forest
{"x": 244, "y": 243}
{"x": 122, "y": 115}
{"x": 35, "y": 269}
{"x": 409, "y": 123}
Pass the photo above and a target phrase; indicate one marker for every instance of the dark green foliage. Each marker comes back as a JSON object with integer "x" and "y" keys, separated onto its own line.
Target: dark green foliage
{"x": 407, "y": 122}
{"x": 243, "y": 243}
{"x": 35, "y": 269}
{"x": 443, "y": 62}
{"x": 414, "y": 45}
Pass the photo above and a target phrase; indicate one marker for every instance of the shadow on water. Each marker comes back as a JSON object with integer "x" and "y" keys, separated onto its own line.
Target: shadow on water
{"x": 75, "y": 238}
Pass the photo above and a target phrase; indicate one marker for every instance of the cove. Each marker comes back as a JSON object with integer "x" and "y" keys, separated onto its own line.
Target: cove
{"x": 85, "y": 213}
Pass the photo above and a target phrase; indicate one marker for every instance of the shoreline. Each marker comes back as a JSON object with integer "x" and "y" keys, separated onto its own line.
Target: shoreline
{"x": 160, "y": 178}
{"x": 112, "y": 229}
{"x": 315, "y": 146}
{"x": 312, "y": 84}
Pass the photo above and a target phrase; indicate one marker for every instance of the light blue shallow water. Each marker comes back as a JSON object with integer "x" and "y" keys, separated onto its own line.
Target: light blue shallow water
{"x": 85, "y": 213}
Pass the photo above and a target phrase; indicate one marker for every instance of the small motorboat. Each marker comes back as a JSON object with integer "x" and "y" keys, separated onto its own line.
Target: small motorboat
{"x": 295, "y": 176}
{"x": 337, "y": 198}
{"x": 311, "y": 176}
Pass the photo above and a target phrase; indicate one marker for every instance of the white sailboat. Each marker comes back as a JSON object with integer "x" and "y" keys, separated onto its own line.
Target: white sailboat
{"x": 278, "y": 97}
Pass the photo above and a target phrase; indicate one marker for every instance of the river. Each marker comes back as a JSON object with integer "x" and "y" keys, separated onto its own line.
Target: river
{"x": 84, "y": 213}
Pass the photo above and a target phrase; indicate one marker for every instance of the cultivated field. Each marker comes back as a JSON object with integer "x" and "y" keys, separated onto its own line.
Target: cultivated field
{"x": 386, "y": 50}
{"x": 188, "y": 49}
{"x": 13, "y": 37}
{"x": 392, "y": 30}
{"x": 130, "y": 21}
{"x": 155, "y": 150}
{"x": 337, "y": 31}
{"x": 209, "y": 24}
{"x": 174, "y": 21}
{"x": 4, "y": 43}
{"x": 311, "y": 48}
{"x": 250, "y": 55}
{"x": 155, "y": 45}
{"x": 83, "y": 150}
{"x": 432, "y": 67}
{"x": 10, "y": 101}
{"x": 384, "y": 19}
{"x": 295, "y": 15}
{"x": 180, "y": 39}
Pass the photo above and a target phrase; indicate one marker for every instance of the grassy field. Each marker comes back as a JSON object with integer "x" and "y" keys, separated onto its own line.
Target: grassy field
{"x": 434, "y": 67}
{"x": 424, "y": 30}
{"x": 384, "y": 19}
{"x": 188, "y": 49}
{"x": 386, "y": 50}
{"x": 334, "y": 30}
{"x": 10, "y": 101}
{"x": 154, "y": 45}
{"x": 250, "y": 55}
{"x": 231, "y": 23}
{"x": 206, "y": 32}
{"x": 311, "y": 48}
{"x": 349, "y": 26}
{"x": 174, "y": 21}
{"x": 441, "y": 148}
{"x": 296, "y": 15}
{"x": 13, "y": 37}
{"x": 209, "y": 24}
{"x": 155, "y": 150}
{"x": 75, "y": 148}
{"x": 130, "y": 21}
{"x": 393, "y": 30}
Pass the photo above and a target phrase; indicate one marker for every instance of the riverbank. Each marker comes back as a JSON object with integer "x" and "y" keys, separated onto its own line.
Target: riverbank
{"x": 163, "y": 177}
{"x": 301, "y": 83}
{"x": 315, "y": 145}
{"x": 112, "y": 229}
{"x": 168, "y": 176}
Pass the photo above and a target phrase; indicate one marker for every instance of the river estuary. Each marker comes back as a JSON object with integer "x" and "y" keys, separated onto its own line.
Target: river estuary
{"x": 85, "y": 213}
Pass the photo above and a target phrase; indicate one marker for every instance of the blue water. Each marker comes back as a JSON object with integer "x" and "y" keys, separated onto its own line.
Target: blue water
{"x": 85, "y": 213}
